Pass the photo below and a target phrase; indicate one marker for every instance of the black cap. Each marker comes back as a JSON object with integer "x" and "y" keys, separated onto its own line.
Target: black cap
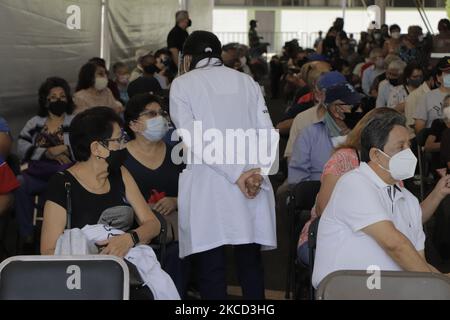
{"x": 444, "y": 64}
{"x": 203, "y": 43}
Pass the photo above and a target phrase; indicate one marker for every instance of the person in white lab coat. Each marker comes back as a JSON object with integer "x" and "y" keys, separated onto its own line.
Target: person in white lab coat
{"x": 221, "y": 204}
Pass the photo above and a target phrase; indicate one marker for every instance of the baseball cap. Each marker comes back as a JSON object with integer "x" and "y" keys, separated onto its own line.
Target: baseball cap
{"x": 317, "y": 57}
{"x": 344, "y": 92}
{"x": 444, "y": 64}
{"x": 330, "y": 79}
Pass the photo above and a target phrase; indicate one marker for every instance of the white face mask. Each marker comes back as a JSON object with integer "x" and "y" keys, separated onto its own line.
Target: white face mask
{"x": 101, "y": 83}
{"x": 337, "y": 141}
{"x": 402, "y": 165}
{"x": 156, "y": 129}
{"x": 446, "y": 80}
{"x": 395, "y": 35}
{"x": 243, "y": 60}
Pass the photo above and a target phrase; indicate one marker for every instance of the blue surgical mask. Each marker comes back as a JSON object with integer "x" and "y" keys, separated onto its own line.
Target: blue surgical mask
{"x": 156, "y": 129}
{"x": 446, "y": 80}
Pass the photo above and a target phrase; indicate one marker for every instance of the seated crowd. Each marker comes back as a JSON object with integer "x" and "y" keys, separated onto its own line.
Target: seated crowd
{"x": 357, "y": 115}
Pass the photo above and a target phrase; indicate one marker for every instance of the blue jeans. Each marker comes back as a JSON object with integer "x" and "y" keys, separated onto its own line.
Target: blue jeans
{"x": 303, "y": 253}
{"x": 24, "y": 202}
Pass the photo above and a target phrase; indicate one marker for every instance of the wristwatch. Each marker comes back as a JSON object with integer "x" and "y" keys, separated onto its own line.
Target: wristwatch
{"x": 135, "y": 238}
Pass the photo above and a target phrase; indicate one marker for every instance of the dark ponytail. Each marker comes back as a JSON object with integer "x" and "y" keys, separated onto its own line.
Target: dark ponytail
{"x": 203, "y": 45}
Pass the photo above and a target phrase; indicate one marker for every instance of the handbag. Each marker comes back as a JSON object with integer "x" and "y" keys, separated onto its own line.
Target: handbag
{"x": 138, "y": 290}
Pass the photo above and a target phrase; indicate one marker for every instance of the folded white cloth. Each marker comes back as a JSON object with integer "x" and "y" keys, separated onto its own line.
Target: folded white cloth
{"x": 82, "y": 242}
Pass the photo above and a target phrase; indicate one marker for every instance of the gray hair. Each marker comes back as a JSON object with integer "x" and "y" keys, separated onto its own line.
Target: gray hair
{"x": 181, "y": 15}
{"x": 397, "y": 65}
{"x": 376, "y": 132}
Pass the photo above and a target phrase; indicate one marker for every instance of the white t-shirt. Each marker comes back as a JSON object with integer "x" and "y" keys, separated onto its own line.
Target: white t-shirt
{"x": 359, "y": 200}
{"x": 384, "y": 89}
{"x": 429, "y": 108}
{"x": 397, "y": 95}
{"x": 411, "y": 104}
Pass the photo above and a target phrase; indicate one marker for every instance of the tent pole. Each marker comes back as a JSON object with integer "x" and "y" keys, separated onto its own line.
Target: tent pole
{"x": 382, "y": 5}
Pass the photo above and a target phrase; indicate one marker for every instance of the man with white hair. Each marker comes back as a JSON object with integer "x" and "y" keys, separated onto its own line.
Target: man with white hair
{"x": 393, "y": 74}
{"x": 178, "y": 35}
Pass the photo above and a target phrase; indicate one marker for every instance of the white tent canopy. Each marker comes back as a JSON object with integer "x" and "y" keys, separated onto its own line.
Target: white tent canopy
{"x": 42, "y": 38}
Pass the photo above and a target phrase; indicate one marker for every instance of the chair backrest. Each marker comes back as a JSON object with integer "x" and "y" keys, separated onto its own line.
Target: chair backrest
{"x": 386, "y": 285}
{"x": 64, "y": 278}
{"x": 305, "y": 194}
{"x": 312, "y": 233}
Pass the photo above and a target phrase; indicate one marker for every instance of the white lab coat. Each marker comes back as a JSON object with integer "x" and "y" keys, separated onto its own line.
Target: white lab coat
{"x": 212, "y": 210}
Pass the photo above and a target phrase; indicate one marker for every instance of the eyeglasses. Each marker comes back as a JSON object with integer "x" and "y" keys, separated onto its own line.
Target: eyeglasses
{"x": 121, "y": 141}
{"x": 154, "y": 114}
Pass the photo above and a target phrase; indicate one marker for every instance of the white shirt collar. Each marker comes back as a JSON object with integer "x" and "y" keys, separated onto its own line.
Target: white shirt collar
{"x": 366, "y": 170}
{"x": 204, "y": 62}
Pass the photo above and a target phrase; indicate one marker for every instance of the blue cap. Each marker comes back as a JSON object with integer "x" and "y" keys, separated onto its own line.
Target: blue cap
{"x": 317, "y": 57}
{"x": 4, "y": 126}
{"x": 330, "y": 79}
{"x": 344, "y": 92}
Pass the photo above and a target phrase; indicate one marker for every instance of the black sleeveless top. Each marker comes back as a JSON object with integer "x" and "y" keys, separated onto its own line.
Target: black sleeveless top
{"x": 87, "y": 207}
{"x": 163, "y": 179}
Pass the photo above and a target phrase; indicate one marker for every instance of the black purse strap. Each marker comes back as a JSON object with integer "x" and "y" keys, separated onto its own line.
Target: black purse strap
{"x": 68, "y": 188}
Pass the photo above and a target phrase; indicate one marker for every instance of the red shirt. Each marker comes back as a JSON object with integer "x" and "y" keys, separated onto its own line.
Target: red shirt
{"x": 8, "y": 181}
{"x": 306, "y": 98}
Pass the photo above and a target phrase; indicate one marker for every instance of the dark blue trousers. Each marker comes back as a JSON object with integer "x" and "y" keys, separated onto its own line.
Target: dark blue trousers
{"x": 24, "y": 202}
{"x": 210, "y": 271}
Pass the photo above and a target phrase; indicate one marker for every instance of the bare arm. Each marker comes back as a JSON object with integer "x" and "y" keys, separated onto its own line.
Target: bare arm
{"x": 419, "y": 125}
{"x": 433, "y": 269}
{"x": 52, "y": 227}
{"x": 175, "y": 55}
{"x": 431, "y": 203}
{"x": 149, "y": 224}
{"x": 326, "y": 189}
{"x": 400, "y": 107}
{"x": 397, "y": 246}
{"x": 285, "y": 126}
{"x": 431, "y": 145}
{"x": 149, "y": 227}
{"x": 6, "y": 202}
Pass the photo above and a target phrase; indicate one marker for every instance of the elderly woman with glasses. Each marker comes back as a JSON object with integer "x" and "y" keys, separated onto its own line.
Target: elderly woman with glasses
{"x": 98, "y": 182}
{"x": 148, "y": 156}
{"x": 149, "y": 161}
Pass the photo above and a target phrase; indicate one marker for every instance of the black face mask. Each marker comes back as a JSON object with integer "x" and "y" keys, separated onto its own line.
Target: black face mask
{"x": 415, "y": 83}
{"x": 393, "y": 82}
{"x": 57, "y": 107}
{"x": 352, "y": 119}
{"x": 115, "y": 161}
{"x": 151, "y": 69}
{"x": 189, "y": 23}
